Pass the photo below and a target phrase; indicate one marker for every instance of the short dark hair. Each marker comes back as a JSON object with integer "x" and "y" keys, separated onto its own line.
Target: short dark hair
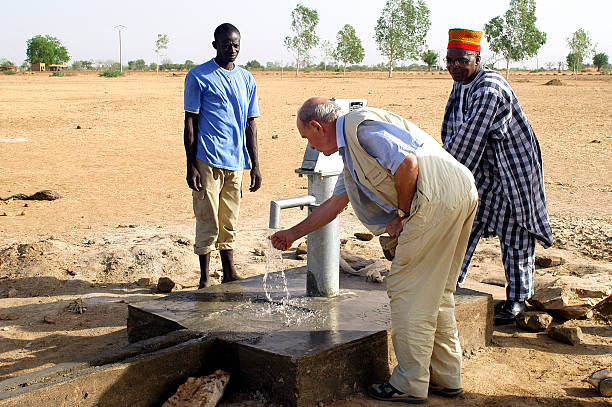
{"x": 225, "y": 28}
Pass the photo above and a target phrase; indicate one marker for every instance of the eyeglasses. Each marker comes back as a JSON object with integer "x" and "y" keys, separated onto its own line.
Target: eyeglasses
{"x": 462, "y": 61}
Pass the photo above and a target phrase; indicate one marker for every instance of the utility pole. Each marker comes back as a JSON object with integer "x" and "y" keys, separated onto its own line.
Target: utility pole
{"x": 119, "y": 28}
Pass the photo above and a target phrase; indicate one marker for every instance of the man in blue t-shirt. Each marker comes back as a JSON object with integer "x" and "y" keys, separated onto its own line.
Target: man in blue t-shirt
{"x": 220, "y": 142}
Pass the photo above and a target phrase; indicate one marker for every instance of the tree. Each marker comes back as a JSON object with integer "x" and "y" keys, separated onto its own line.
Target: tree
{"x": 600, "y": 60}
{"x": 253, "y": 65}
{"x": 430, "y": 57}
{"x": 574, "y": 61}
{"x": 580, "y": 46}
{"x": 137, "y": 65}
{"x": 401, "y": 29}
{"x": 5, "y": 63}
{"x": 160, "y": 44}
{"x": 303, "y": 23}
{"x": 349, "y": 49}
{"x": 515, "y": 35}
{"x": 189, "y": 64}
{"x": 47, "y": 49}
{"x": 327, "y": 53}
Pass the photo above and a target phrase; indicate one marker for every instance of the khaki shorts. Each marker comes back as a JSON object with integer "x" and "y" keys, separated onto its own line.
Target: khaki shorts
{"x": 216, "y": 207}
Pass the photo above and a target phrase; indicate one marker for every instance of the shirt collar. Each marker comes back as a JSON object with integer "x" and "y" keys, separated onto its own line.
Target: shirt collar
{"x": 340, "y": 138}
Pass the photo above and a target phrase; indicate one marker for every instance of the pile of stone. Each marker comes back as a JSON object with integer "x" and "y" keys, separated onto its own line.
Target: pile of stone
{"x": 567, "y": 298}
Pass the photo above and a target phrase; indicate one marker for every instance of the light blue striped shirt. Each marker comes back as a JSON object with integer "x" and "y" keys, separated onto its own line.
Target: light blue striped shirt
{"x": 387, "y": 143}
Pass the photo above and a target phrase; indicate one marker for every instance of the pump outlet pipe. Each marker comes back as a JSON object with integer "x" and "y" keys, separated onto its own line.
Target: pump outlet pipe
{"x": 276, "y": 206}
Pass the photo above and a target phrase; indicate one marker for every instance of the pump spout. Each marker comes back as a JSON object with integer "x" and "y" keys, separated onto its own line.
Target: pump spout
{"x": 276, "y": 206}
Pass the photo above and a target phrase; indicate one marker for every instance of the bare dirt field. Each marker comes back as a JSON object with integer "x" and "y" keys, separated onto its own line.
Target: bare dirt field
{"x": 113, "y": 148}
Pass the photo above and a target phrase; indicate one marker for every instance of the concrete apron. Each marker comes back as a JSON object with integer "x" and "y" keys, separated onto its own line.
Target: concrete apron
{"x": 300, "y": 353}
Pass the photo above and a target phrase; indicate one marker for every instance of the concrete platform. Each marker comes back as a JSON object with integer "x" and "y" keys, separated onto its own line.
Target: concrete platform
{"x": 304, "y": 350}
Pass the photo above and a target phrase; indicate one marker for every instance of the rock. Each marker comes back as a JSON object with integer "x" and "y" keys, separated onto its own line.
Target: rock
{"x": 274, "y": 136}
{"x": 604, "y": 311}
{"x": 572, "y": 297}
{"x": 500, "y": 282}
{"x": 12, "y": 293}
{"x": 535, "y": 321}
{"x": 605, "y": 387}
{"x": 302, "y": 248}
{"x": 71, "y": 272}
{"x": 388, "y": 245}
{"x": 203, "y": 391}
{"x": 365, "y": 236}
{"x": 300, "y": 257}
{"x": 6, "y": 213}
{"x": 78, "y": 127}
{"x": 567, "y": 334}
{"x": 259, "y": 251}
{"x": 144, "y": 282}
{"x": 22, "y": 213}
{"x": 549, "y": 261}
{"x": 602, "y": 381}
{"x": 5, "y": 317}
{"x": 165, "y": 285}
{"x": 49, "y": 319}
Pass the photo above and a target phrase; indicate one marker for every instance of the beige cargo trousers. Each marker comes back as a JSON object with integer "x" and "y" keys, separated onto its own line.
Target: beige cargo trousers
{"x": 424, "y": 273}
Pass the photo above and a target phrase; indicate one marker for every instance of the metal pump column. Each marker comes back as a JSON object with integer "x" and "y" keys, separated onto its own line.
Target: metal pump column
{"x": 323, "y": 261}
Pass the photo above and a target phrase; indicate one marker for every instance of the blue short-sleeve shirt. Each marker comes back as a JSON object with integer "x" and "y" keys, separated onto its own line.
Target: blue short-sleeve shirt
{"x": 224, "y": 100}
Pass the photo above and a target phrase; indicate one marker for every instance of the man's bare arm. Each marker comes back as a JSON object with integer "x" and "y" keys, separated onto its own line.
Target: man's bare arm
{"x": 190, "y": 141}
{"x": 405, "y": 179}
{"x": 251, "y": 144}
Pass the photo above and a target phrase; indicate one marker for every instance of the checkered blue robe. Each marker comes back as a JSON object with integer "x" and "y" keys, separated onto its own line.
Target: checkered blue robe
{"x": 492, "y": 137}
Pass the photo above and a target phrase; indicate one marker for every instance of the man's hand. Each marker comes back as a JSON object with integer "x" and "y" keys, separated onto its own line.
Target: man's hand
{"x": 193, "y": 177}
{"x": 255, "y": 179}
{"x": 282, "y": 240}
{"x": 394, "y": 227}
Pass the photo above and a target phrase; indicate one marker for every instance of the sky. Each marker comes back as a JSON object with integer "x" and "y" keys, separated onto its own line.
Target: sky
{"x": 86, "y": 28}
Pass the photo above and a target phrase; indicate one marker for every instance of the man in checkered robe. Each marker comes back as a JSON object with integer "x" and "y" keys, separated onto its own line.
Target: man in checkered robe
{"x": 486, "y": 130}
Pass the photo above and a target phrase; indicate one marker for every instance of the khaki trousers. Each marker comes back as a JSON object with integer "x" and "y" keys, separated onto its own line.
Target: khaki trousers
{"x": 424, "y": 274}
{"x": 216, "y": 207}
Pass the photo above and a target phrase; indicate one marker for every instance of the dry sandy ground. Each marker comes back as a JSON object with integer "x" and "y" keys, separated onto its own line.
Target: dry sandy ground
{"x": 113, "y": 149}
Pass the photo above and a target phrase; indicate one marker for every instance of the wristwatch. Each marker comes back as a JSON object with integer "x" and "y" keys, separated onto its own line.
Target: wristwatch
{"x": 403, "y": 215}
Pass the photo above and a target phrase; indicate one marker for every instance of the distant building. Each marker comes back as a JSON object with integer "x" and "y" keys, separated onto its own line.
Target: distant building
{"x": 57, "y": 67}
{"x": 38, "y": 67}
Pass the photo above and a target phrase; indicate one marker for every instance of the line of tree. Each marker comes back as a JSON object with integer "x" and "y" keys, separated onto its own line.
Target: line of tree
{"x": 400, "y": 34}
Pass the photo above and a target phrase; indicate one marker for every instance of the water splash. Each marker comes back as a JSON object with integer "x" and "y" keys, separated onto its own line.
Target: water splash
{"x": 274, "y": 264}
{"x": 278, "y": 303}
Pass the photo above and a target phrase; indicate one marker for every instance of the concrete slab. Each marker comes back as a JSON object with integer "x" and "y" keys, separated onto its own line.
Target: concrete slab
{"x": 302, "y": 350}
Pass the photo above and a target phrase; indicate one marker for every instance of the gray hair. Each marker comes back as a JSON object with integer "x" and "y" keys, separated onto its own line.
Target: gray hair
{"x": 325, "y": 112}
